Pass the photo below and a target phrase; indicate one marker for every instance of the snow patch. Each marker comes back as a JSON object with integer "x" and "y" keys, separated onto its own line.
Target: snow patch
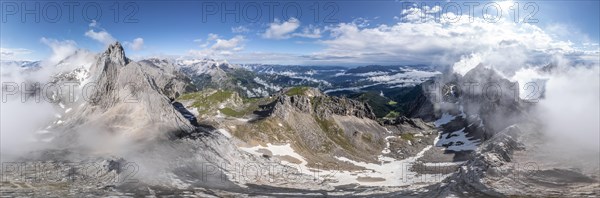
{"x": 456, "y": 141}
{"x": 446, "y": 118}
{"x": 394, "y": 172}
{"x": 278, "y": 150}
{"x": 386, "y": 150}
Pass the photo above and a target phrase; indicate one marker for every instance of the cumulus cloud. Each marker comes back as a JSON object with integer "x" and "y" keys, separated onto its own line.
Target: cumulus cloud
{"x": 424, "y": 36}
{"x": 309, "y": 32}
{"x": 281, "y": 29}
{"x": 136, "y": 44}
{"x": 231, "y": 44}
{"x": 99, "y": 35}
{"x": 60, "y": 49}
{"x": 216, "y": 46}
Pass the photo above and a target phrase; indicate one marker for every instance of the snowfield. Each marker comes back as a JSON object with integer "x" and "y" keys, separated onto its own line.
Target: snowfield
{"x": 389, "y": 172}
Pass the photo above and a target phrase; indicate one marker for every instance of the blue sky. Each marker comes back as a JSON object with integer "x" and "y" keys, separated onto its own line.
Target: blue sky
{"x": 325, "y": 37}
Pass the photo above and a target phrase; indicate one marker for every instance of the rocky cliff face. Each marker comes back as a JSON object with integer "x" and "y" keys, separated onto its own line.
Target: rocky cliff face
{"x": 423, "y": 106}
{"x": 318, "y": 126}
{"x": 493, "y": 98}
{"x": 130, "y": 98}
{"x": 170, "y": 81}
{"x": 479, "y": 104}
{"x": 506, "y": 165}
{"x": 312, "y": 101}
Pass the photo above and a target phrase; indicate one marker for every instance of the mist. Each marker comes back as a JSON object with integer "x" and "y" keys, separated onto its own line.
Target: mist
{"x": 27, "y": 112}
{"x": 570, "y": 110}
{"x": 563, "y": 94}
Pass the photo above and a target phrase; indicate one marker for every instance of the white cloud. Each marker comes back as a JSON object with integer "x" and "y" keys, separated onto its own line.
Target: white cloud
{"x": 93, "y": 24}
{"x": 441, "y": 39}
{"x": 197, "y": 40}
{"x": 361, "y": 22}
{"x": 136, "y": 44}
{"x": 231, "y": 44}
{"x": 239, "y": 29}
{"x": 287, "y": 29}
{"x": 309, "y": 32}
{"x": 20, "y": 128}
{"x": 13, "y": 53}
{"x": 216, "y": 47}
{"x": 60, "y": 49}
{"x": 281, "y": 30}
{"x": 570, "y": 108}
{"x": 212, "y": 37}
{"x": 65, "y": 56}
{"x": 101, "y": 36}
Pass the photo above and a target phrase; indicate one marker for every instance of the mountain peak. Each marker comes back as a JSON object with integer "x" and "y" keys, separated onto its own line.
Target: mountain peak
{"x": 116, "y": 53}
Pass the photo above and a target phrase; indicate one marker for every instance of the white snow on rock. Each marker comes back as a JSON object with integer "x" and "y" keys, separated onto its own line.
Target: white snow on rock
{"x": 242, "y": 119}
{"x": 446, "y": 117}
{"x": 456, "y": 141}
{"x": 278, "y": 150}
{"x": 443, "y": 164}
{"x": 387, "y": 150}
{"x": 390, "y": 172}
